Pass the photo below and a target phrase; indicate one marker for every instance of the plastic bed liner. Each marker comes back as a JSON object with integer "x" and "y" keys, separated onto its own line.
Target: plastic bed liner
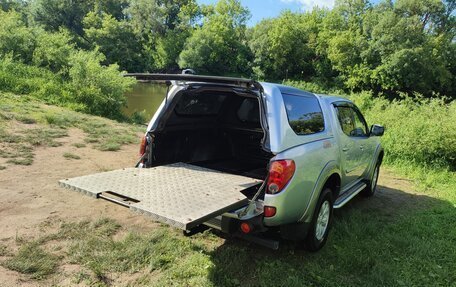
{"x": 179, "y": 194}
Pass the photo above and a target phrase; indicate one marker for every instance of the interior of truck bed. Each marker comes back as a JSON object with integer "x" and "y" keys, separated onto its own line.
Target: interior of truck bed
{"x": 216, "y": 130}
{"x": 207, "y": 159}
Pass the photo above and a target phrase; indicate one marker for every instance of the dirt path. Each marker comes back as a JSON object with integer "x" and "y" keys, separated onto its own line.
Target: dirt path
{"x": 30, "y": 195}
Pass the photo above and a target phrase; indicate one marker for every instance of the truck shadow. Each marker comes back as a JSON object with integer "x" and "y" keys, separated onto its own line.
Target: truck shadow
{"x": 362, "y": 224}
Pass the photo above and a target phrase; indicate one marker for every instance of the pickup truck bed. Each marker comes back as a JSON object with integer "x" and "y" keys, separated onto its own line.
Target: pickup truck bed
{"x": 179, "y": 194}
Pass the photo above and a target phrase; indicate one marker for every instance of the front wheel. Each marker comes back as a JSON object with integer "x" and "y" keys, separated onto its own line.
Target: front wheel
{"x": 321, "y": 222}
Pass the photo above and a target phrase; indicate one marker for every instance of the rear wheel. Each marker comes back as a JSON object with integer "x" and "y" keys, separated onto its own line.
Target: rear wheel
{"x": 372, "y": 183}
{"x": 321, "y": 222}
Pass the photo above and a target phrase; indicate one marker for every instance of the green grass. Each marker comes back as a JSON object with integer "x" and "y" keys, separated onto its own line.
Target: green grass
{"x": 33, "y": 260}
{"x": 17, "y": 153}
{"x": 79, "y": 145}
{"x": 20, "y": 161}
{"x": 45, "y": 136}
{"x": 109, "y": 146}
{"x": 69, "y": 155}
{"x": 26, "y": 120}
{"x": 25, "y": 123}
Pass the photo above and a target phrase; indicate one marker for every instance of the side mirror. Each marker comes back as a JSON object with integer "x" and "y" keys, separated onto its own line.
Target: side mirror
{"x": 377, "y": 130}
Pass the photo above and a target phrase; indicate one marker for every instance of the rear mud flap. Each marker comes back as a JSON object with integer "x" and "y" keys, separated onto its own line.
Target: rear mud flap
{"x": 180, "y": 195}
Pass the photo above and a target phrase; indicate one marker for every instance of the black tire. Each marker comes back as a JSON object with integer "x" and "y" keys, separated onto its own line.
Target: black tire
{"x": 372, "y": 183}
{"x": 316, "y": 239}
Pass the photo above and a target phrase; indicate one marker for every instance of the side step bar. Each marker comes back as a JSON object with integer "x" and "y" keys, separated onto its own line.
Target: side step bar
{"x": 347, "y": 196}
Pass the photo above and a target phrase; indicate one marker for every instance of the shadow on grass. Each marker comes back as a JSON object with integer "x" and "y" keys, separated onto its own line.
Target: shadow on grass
{"x": 395, "y": 238}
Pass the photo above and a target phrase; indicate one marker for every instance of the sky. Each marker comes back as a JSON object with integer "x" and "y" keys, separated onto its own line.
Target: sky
{"x": 261, "y": 9}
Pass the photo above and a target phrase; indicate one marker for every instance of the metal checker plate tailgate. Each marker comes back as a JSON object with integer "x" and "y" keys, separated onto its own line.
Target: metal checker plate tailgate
{"x": 180, "y": 195}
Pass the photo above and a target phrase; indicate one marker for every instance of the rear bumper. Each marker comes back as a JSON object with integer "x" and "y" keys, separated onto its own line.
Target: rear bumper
{"x": 258, "y": 234}
{"x": 231, "y": 225}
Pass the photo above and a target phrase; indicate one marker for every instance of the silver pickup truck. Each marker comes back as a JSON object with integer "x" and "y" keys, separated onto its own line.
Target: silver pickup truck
{"x": 246, "y": 158}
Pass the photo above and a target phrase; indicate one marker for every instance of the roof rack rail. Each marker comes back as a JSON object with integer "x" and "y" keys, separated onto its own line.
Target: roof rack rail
{"x": 241, "y": 82}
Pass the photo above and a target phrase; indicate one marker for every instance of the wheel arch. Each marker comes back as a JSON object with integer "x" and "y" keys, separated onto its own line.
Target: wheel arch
{"x": 331, "y": 177}
{"x": 333, "y": 182}
{"x": 380, "y": 156}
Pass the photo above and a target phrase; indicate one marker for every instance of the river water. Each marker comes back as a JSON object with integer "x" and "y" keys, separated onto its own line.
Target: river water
{"x": 145, "y": 98}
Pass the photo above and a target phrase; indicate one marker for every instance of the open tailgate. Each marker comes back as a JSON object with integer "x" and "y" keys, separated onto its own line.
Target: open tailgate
{"x": 180, "y": 195}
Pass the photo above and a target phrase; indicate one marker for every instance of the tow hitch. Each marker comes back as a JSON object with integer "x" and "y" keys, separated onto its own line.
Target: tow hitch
{"x": 253, "y": 230}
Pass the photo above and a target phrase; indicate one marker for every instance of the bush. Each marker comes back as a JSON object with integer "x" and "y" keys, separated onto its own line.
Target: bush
{"x": 418, "y": 130}
{"x": 101, "y": 90}
{"x": 316, "y": 87}
{"x": 53, "y": 51}
{"x": 91, "y": 87}
{"x": 20, "y": 78}
{"x": 61, "y": 74}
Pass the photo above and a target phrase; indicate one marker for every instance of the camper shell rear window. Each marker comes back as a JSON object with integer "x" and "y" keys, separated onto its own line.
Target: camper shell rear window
{"x": 200, "y": 104}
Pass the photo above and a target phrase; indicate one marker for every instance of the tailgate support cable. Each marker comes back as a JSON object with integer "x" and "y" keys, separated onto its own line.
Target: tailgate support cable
{"x": 250, "y": 210}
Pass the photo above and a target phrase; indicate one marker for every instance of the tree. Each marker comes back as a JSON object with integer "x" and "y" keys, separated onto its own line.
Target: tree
{"x": 163, "y": 27}
{"x": 53, "y": 51}
{"x": 55, "y": 14}
{"x": 116, "y": 40}
{"x": 286, "y": 47}
{"x": 9, "y": 5}
{"x": 219, "y": 46}
{"x": 16, "y": 39}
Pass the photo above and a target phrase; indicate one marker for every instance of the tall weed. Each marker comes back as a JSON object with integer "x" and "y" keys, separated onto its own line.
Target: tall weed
{"x": 418, "y": 130}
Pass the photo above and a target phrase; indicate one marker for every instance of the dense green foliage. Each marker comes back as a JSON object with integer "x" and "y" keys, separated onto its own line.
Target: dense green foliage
{"x": 218, "y": 46}
{"x": 419, "y": 131}
{"x": 390, "y": 47}
{"x": 402, "y": 46}
{"x": 51, "y": 67}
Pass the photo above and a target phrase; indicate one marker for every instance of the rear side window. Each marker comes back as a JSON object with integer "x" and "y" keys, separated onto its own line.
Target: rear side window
{"x": 304, "y": 114}
{"x": 199, "y": 104}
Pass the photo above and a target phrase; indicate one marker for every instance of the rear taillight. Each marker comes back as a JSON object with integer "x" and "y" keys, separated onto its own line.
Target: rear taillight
{"x": 142, "y": 147}
{"x": 280, "y": 173}
{"x": 245, "y": 227}
{"x": 269, "y": 211}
